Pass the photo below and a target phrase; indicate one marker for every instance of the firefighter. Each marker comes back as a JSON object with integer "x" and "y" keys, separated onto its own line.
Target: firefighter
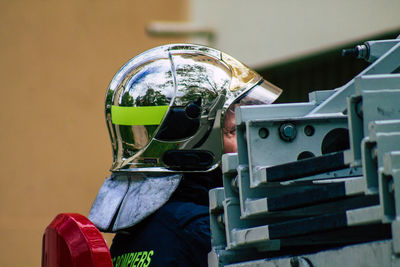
{"x": 170, "y": 116}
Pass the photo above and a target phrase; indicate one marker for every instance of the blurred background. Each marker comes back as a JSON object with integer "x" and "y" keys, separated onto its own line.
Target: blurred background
{"x": 57, "y": 58}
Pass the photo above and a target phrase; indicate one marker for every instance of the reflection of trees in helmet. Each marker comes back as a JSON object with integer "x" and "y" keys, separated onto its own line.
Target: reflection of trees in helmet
{"x": 136, "y": 136}
{"x": 152, "y": 85}
{"x": 109, "y": 98}
{"x": 125, "y": 130}
{"x": 128, "y": 139}
{"x": 140, "y": 135}
{"x": 127, "y": 100}
{"x": 151, "y": 98}
{"x": 193, "y": 94}
{"x": 194, "y": 81}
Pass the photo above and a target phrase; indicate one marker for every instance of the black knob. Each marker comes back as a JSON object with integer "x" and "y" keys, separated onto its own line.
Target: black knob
{"x": 193, "y": 110}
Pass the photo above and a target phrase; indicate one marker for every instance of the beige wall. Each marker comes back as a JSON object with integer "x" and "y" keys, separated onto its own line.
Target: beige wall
{"x": 272, "y": 31}
{"x": 56, "y": 60}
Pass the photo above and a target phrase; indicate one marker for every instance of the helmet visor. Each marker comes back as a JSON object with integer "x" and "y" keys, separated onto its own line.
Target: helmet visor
{"x": 261, "y": 94}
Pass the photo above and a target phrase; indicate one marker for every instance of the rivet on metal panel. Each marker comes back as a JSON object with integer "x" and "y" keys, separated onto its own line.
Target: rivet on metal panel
{"x": 263, "y": 133}
{"x": 309, "y": 130}
{"x": 287, "y": 132}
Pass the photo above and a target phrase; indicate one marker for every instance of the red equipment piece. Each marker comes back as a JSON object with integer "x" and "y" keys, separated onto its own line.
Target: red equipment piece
{"x": 72, "y": 240}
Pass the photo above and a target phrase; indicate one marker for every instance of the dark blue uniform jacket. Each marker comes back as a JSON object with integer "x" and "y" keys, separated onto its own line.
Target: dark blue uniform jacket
{"x": 178, "y": 234}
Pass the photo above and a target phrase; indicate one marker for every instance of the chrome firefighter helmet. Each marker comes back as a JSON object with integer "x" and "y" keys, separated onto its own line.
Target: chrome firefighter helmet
{"x": 165, "y": 108}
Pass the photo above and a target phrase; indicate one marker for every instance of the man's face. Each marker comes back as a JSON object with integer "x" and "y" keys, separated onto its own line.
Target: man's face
{"x": 229, "y": 131}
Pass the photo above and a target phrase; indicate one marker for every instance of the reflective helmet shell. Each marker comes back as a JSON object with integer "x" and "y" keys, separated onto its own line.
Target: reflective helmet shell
{"x": 164, "y": 107}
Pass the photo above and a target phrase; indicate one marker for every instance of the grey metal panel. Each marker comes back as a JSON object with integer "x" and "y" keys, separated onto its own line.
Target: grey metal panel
{"x": 216, "y": 196}
{"x": 379, "y": 48}
{"x": 380, "y": 105}
{"x": 372, "y": 156}
{"x": 389, "y": 186}
{"x": 257, "y": 236}
{"x": 376, "y": 82}
{"x": 337, "y": 102}
{"x": 284, "y": 211}
{"x": 229, "y": 162}
{"x": 370, "y": 254}
{"x": 265, "y": 152}
{"x": 275, "y": 111}
{"x": 377, "y": 98}
{"x": 368, "y": 215}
